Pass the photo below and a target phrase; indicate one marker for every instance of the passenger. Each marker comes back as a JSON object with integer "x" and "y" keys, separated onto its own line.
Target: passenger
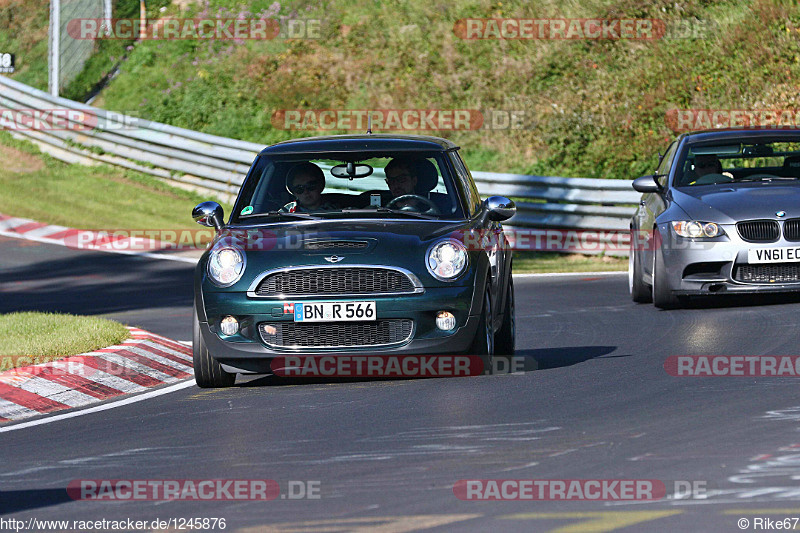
{"x": 306, "y": 182}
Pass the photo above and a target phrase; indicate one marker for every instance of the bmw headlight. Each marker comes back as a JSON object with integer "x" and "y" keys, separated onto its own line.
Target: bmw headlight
{"x": 697, "y": 230}
{"x": 226, "y": 265}
{"x": 447, "y": 260}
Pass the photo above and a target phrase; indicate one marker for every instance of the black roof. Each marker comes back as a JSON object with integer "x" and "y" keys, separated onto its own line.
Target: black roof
{"x": 750, "y": 134}
{"x": 361, "y": 143}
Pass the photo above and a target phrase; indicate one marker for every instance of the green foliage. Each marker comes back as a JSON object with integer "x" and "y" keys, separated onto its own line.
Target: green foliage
{"x": 593, "y": 108}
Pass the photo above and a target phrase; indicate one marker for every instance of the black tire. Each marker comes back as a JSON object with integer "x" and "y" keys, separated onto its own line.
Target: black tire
{"x": 208, "y": 373}
{"x": 640, "y": 291}
{"x": 663, "y": 297}
{"x": 505, "y": 340}
{"x": 483, "y": 344}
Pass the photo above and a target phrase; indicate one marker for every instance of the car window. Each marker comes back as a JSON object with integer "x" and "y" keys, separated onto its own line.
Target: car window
{"x": 331, "y": 185}
{"x": 470, "y": 190}
{"x": 666, "y": 163}
{"x": 742, "y": 161}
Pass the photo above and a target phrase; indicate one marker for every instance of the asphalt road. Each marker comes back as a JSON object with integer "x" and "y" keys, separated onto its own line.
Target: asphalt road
{"x": 385, "y": 454}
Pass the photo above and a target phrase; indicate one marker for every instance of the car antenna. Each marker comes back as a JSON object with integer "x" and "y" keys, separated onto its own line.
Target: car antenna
{"x": 369, "y": 123}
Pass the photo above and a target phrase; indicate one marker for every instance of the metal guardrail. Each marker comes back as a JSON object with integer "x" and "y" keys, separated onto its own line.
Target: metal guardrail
{"x": 217, "y": 165}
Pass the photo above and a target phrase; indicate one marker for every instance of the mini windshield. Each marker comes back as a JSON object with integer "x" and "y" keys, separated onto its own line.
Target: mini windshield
{"x": 405, "y": 185}
{"x": 740, "y": 162}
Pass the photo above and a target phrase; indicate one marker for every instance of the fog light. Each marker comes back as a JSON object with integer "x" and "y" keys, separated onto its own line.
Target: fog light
{"x": 229, "y": 325}
{"x": 445, "y": 320}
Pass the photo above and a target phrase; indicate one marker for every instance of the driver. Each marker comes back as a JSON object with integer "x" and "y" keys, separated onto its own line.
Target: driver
{"x": 401, "y": 177}
{"x": 707, "y": 164}
{"x": 306, "y": 182}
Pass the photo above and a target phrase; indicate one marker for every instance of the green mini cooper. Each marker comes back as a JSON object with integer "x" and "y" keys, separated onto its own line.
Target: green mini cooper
{"x": 348, "y": 245}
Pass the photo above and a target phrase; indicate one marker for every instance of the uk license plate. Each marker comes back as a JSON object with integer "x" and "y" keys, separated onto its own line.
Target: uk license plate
{"x": 334, "y": 311}
{"x": 773, "y": 255}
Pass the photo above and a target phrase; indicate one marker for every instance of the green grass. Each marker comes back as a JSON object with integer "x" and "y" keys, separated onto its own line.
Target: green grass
{"x": 548, "y": 262}
{"x": 32, "y": 338}
{"x": 36, "y": 185}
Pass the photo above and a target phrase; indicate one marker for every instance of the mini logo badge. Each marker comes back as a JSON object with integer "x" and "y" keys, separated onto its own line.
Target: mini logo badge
{"x": 333, "y": 259}
{"x": 781, "y": 213}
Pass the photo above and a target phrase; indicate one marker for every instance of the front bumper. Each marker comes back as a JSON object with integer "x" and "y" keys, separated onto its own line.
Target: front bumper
{"x": 696, "y": 267}
{"x": 246, "y": 352}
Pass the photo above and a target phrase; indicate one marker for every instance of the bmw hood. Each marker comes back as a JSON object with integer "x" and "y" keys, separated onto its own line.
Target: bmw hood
{"x": 730, "y": 203}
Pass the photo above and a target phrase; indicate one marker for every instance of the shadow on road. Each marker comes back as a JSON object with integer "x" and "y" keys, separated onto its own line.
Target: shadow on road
{"x": 739, "y": 300}
{"x": 548, "y": 358}
{"x": 96, "y": 283}
{"x": 12, "y": 501}
{"x": 524, "y": 361}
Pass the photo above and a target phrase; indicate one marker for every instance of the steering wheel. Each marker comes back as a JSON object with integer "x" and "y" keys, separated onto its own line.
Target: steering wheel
{"x": 432, "y": 209}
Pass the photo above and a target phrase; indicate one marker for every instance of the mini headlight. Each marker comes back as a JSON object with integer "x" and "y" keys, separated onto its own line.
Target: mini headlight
{"x": 226, "y": 265}
{"x": 696, "y": 230}
{"x": 447, "y": 260}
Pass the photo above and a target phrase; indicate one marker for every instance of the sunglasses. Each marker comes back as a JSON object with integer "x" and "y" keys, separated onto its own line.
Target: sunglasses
{"x": 402, "y": 178}
{"x": 310, "y": 187}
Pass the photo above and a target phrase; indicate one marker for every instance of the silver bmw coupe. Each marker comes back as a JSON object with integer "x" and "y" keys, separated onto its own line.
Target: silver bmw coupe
{"x": 721, "y": 214}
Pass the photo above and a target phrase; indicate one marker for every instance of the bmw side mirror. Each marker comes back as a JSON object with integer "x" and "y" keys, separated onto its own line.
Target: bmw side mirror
{"x": 499, "y": 208}
{"x": 646, "y": 184}
{"x": 209, "y": 214}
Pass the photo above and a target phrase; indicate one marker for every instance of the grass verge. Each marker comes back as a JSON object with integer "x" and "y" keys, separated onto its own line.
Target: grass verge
{"x": 36, "y": 186}
{"x": 550, "y": 262}
{"x": 32, "y": 338}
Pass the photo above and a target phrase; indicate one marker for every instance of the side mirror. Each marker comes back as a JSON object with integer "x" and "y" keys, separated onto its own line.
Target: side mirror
{"x": 209, "y": 214}
{"x": 646, "y": 184}
{"x": 499, "y": 208}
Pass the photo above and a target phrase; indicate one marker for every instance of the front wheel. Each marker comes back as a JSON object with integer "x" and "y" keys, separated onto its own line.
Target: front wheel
{"x": 483, "y": 344}
{"x": 640, "y": 291}
{"x": 208, "y": 373}
{"x": 506, "y": 336}
{"x": 663, "y": 297}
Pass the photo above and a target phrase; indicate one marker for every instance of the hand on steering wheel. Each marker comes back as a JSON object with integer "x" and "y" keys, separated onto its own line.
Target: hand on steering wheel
{"x": 432, "y": 209}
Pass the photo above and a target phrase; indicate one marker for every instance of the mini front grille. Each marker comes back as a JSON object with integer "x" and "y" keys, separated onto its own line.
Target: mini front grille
{"x": 759, "y": 230}
{"x": 336, "y": 334}
{"x": 775, "y": 273}
{"x": 339, "y": 245}
{"x": 791, "y": 229}
{"x": 335, "y": 281}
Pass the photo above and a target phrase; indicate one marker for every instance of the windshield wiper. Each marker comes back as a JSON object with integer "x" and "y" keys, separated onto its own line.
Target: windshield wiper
{"x": 413, "y": 214}
{"x": 280, "y": 214}
{"x": 764, "y": 177}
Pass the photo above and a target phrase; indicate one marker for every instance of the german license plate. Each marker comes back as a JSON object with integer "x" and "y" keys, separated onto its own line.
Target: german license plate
{"x": 773, "y": 255}
{"x": 334, "y": 311}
